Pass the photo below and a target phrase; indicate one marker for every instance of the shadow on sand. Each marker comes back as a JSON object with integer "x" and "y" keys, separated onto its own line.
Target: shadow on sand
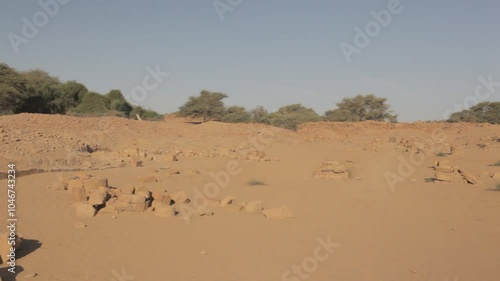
{"x": 28, "y": 246}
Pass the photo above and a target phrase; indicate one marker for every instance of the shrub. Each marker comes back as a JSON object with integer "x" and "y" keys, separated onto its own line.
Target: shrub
{"x": 145, "y": 114}
{"x": 254, "y": 182}
{"x": 483, "y": 112}
{"x": 235, "y": 114}
{"x": 441, "y": 154}
{"x": 208, "y": 105}
{"x": 361, "y": 108}
{"x": 291, "y": 116}
{"x": 92, "y": 103}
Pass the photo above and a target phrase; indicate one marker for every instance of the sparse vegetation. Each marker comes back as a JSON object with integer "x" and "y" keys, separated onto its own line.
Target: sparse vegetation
{"x": 207, "y": 105}
{"x": 361, "y": 108}
{"x": 36, "y": 91}
{"x": 429, "y": 179}
{"x": 441, "y": 154}
{"x": 484, "y": 112}
{"x": 291, "y": 116}
{"x": 254, "y": 182}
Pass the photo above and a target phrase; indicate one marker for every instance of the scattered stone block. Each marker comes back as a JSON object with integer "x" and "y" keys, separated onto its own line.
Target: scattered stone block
{"x": 444, "y": 169}
{"x": 332, "y": 170}
{"x": 85, "y": 210}
{"x": 165, "y": 211}
{"x": 180, "y": 197}
{"x": 78, "y": 195}
{"x": 496, "y": 175}
{"x": 254, "y": 207}
{"x": 144, "y": 191}
{"x": 94, "y": 183}
{"x": 98, "y": 197}
{"x": 128, "y": 189}
{"x": 446, "y": 177}
{"x": 469, "y": 177}
{"x": 227, "y": 201}
{"x": 162, "y": 197}
{"x": 75, "y": 183}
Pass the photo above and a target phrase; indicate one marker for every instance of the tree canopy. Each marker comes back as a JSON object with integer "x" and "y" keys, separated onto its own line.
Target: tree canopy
{"x": 484, "y": 112}
{"x": 36, "y": 91}
{"x": 207, "y": 105}
{"x": 361, "y": 108}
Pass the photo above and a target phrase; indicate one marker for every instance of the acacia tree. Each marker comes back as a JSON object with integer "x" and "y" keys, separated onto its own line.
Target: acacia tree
{"x": 236, "y": 114}
{"x": 207, "y": 105}
{"x": 13, "y": 89}
{"x": 482, "y": 112}
{"x": 290, "y": 116}
{"x": 260, "y": 115}
{"x": 361, "y": 108}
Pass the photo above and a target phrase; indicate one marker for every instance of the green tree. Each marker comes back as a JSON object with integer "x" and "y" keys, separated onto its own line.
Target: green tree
{"x": 72, "y": 94}
{"x": 236, "y": 114}
{"x": 118, "y": 102}
{"x": 145, "y": 114}
{"x": 361, "y": 108}
{"x": 208, "y": 105}
{"x": 14, "y": 89}
{"x": 93, "y": 104}
{"x": 47, "y": 95}
{"x": 290, "y": 116}
{"x": 260, "y": 115}
{"x": 484, "y": 112}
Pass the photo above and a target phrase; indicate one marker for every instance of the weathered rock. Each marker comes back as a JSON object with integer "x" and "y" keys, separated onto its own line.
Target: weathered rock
{"x": 128, "y": 189}
{"x": 444, "y": 169}
{"x": 98, "y": 197}
{"x": 279, "y": 213}
{"x": 94, "y": 183}
{"x": 254, "y": 207}
{"x": 227, "y": 200}
{"x": 469, "y": 177}
{"x": 440, "y": 176}
{"x": 496, "y": 175}
{"x": 164, "y": 211}
{"x": 78, "y": 194}
{"x": 332, "y": 170}
{"x": 144, "y": 191}
{"x": 180, "y": 197}
{"x": 75, "y": 183}
{"x": 162, "y": 197}
{"x": 85, "y": 210}
{"x": 205, "y": 212}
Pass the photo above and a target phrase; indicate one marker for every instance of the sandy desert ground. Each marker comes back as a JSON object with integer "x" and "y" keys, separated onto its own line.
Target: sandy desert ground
{"x": 339, "y": 201}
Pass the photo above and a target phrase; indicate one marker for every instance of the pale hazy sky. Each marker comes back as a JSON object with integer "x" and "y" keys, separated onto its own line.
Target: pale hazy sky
{"x": 427, "y": 58}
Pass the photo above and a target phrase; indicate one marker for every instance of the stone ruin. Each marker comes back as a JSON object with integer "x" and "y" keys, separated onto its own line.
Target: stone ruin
{"x": 91, "y": 195}
{"x": 332, "y": 170}
{"x": 444, "y": 172}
